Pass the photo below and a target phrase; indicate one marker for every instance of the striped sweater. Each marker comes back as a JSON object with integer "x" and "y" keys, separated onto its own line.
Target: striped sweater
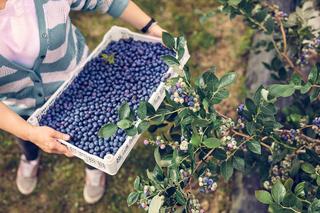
{"x": 62, "y": 48}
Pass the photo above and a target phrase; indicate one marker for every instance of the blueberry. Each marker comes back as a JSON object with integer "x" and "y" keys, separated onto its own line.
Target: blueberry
{"x": 97, "y": 92}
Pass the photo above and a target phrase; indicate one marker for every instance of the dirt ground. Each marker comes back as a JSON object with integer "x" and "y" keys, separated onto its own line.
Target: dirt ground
{"x": 216, "y": 41}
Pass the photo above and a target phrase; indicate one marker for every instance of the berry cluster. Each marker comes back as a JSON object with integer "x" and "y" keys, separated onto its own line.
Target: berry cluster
{"x": 145, "y": 203}
{"x": 183, "y": 145}
{"x": 206, "y": 183}
{"x": 316, "y": 122}
{"x": 240, "y": 110}
{"x": 158, "y": 142}
{"x": 289, "y": 135}
{"x": 195, "y": 206}
{"x": 309, "y": 51}
{"x": 185, "y": 174}
{"x": 132, "y": 73}
{"x": 278, "y": 14}
{"x": 226, "y": 126}
{"x": 230, "y": 142}
{"x": 180, "y": 93}
{"x": 279, "y": 171}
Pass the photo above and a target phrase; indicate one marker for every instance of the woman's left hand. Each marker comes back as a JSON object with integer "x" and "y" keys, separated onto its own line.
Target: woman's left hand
{"x": 156, "y": 31}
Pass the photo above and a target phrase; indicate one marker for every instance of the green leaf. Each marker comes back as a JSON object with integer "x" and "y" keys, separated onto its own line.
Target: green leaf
{"x": 281, "y": 90}
{"x": 157, "y": 156}
{"x": 124, "y": 111}
{"x": 143, "y": 126}
{"x": 263, "y": 197}
{"x": 136, "y": 184}
{"x": 268, "y": 109}
{"x": 196, "y": 140}
{"x": 132, "y": 131}
{"x": 150, "y": 109}
{"x": 269, "y": 25}
{"x": 180, "y": 46}
{"x": 299, "y": 189}
{"x": 234, "y": 2}
{"x": 168, "y": 40}
{"x": 314, "y": 75}
{"x": 157, "y": 119}
{"x": 308, "y": 168}
{"x": 133, "y": 198}
{"x": 251, "y": 106}
{"x": 314, "y": 94}
{"x": 219, "y": 154}
{"x": 318, "y": 180}
{"x": 288, "y": 184}
{"x": 180, "y": 198}
{"x": 290, "y": 200}
{"x": 142, "y": 110}
{"x": 314, "y": 207}
{"x": 170, "y": 60}
{"x": 261, "y": 15}
{"x": 226, "y": 169}
{"x": 254, "y": 146}
{"x": 278, "y": 192}
{"x": 108, "y": 130}
{"x": 220, "y": 95}
{"x": 212, "y": 143}
{"x": 124, "y": 124}
{"x": 227, "y": 79}
{"x": 156, "y": 203}
{"x": 305, "y": 88}
{"x": 238, "y": 163}
{"x": 210, "y": 81}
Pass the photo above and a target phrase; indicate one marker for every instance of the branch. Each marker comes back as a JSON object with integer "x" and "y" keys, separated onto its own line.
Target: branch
{"x": 309, "y": 139}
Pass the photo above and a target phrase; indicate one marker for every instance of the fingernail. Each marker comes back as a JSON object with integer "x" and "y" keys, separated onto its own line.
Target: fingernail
{"x": 66, "y": 137}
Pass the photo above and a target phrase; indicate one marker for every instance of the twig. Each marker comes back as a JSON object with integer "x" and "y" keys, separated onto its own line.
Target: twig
{"x": 309, "y": 139}
{"x": 284, "y": 37}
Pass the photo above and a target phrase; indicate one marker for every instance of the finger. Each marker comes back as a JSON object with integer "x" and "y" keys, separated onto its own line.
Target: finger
{"x": 59, "y": 148}
{"x": 69, "y": 154}
{"x": 59, "y": 135}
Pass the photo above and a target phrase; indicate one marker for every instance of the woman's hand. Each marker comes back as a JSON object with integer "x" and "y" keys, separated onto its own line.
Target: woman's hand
{"x": 44, "y": 137}
{"x": 47, "y": 138}
{"x": 156, "y": 30}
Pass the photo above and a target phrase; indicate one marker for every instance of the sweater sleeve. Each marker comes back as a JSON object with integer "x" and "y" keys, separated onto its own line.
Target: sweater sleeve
{"x": 113, "y": 7}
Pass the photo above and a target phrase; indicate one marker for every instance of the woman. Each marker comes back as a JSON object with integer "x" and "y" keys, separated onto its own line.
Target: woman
{"x": 39, "y": 48}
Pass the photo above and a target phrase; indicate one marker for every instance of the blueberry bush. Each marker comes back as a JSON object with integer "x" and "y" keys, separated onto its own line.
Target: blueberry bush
{"x": 195, "y": 145}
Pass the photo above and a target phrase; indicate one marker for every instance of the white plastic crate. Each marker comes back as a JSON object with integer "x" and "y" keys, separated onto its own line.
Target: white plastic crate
{"x": 110, "y": 163}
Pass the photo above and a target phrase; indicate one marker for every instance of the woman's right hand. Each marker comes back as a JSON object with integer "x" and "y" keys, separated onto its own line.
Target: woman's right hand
{"x": 47, "y": 138}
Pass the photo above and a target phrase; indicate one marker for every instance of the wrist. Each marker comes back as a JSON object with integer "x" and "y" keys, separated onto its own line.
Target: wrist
{"x": 152, "y": 27}
{"x": 29, "y": 133}
{"x": 148, "y": 25}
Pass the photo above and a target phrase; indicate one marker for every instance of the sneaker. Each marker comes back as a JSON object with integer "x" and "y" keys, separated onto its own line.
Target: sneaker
{"x": 95, "y": 185}
{"x": 27, "y": 175}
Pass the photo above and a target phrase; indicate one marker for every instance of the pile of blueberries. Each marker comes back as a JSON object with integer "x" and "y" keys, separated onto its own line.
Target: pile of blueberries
{"x": 95, "y": 95}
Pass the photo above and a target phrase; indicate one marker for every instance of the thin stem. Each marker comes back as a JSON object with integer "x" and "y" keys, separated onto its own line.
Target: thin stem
{"x": 168, "y": 113}
{"x": 234, "y": 151}
{"x": 305, "y": 127}
{"x": 289, "y": 208}
{"x": 285, "y": 145}
{"x": 309, "y": 139}
{"x": 266, "y": 146}
{"x": 284, "y": 37}
{"x": 222, "y": 115}
{"x": 240, "y": 134}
